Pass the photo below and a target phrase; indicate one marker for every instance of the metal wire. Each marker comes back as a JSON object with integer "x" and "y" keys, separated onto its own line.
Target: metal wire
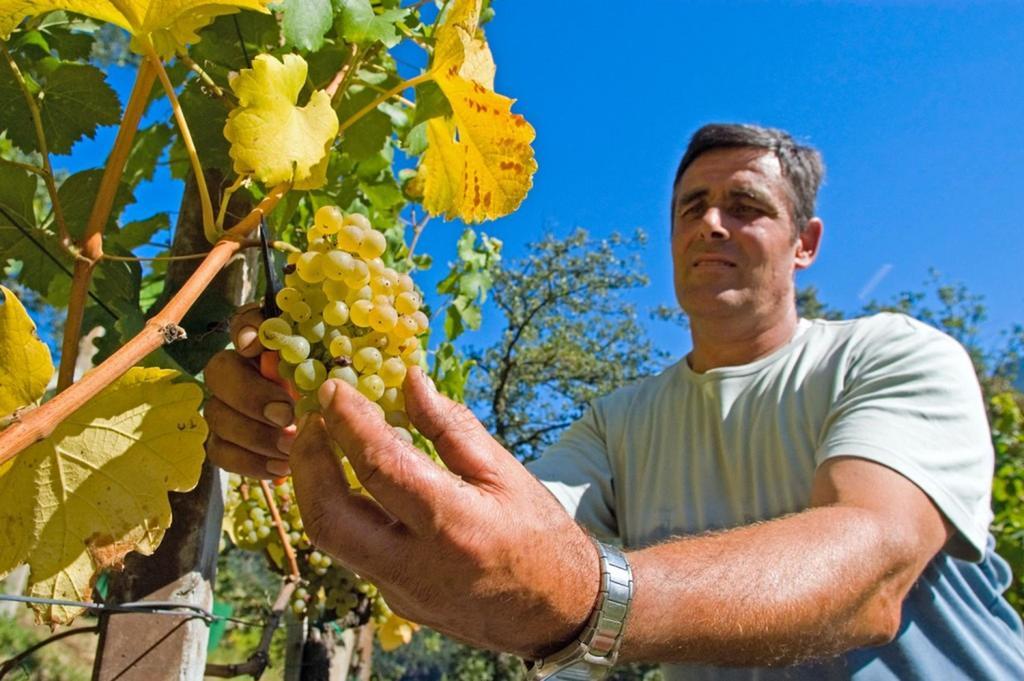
{"x": 169, "y": 608}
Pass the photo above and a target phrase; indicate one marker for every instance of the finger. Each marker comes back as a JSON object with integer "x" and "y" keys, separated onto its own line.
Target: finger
{"x": 337, "y": 519}
{"x": 244, "y": 327}
{"x": 255, "y": 436}
{"x": 461, "y": 440}
{"x": 406, "y": 483}
{"x": 237, "y": 383}
{"x": 235, "y": 459}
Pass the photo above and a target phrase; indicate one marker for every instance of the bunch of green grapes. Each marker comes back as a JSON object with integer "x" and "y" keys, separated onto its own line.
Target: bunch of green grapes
{"x": 328, "y": 590}
{"x": 347, "y": 315}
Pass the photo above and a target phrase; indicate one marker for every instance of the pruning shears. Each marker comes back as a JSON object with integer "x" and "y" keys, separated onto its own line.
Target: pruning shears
{"x": 269, "y": 308}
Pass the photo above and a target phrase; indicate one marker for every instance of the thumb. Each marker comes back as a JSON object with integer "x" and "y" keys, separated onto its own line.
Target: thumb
{"x": 461, "y": 440}
{"x": 318, "y": 476}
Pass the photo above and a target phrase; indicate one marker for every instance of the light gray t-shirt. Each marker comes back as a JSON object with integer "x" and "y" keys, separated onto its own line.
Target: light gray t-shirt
{"x": 682, "y": 453}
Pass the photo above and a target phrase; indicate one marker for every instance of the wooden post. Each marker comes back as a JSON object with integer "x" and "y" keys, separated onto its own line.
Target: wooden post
{"x": 141, "y": 647}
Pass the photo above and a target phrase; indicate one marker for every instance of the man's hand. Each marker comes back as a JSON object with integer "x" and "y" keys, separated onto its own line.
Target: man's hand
{"x": 480, "y": 551}
{"x": 250, "y": 417}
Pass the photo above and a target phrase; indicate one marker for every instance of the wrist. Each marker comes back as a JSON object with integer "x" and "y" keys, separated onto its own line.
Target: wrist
{"x": 593, "y": 652}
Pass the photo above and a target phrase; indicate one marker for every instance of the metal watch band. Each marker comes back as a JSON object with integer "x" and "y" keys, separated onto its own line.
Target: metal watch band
{"x": 593, "y": 654}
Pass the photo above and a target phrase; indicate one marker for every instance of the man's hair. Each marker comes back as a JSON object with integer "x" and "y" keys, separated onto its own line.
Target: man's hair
{"x": 801, "y": 165}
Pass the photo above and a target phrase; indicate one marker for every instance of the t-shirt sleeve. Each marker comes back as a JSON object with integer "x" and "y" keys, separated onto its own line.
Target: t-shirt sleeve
{"x": 911, "y": 401}
{"x": 576, "y": 470}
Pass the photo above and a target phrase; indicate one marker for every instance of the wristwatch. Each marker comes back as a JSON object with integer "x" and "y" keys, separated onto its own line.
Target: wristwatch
{"x": 593, "y": 654}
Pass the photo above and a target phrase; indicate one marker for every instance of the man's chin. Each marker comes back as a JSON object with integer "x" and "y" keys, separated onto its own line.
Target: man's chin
{"x": 714, "y": 304}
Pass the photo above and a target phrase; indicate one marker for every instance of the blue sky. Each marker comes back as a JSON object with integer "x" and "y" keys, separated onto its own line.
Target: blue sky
{"x": 917, "y": 108}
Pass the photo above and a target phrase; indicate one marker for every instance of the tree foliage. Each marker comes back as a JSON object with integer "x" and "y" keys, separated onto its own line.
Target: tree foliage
{"x": 568, "y": 337}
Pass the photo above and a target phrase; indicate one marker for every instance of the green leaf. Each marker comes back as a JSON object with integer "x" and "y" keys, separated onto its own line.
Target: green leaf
{"x": 383, "y": 195}
{"x": 357, "y": 23}
{"x": 453, "y": 326}
{"x": 15, "y": 118}
{"x": 39, "y": 272}
{"x": 137, "y": 233}
{"x": 77, "y": 195}
{"x": 474, "y": 285}
{"x": 468, "y": 252}
{"x": 70, "y": 45}
{"x": 306, "y": 22}
{"x": 146, "y": 151}
{"x": 74, "y": 101}
{"x": 431, "y": 102}
{"x": 17, "y": 189}
{"x": 416, "y": 140}
{"x": 469, "y": 312}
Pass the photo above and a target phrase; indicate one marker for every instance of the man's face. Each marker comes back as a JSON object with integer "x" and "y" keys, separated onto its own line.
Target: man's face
{"x": 733, "y": 241}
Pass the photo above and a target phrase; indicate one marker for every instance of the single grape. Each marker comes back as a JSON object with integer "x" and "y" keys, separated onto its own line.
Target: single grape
{"x": 350, "y": 237}
{"x": 341, "y": 347}
{"x": 329, "y": 219}
{"x": 373, "y": 244}
{"x": 336, "y": 313}
{"x": 300, "y": 311}
{"x": 408, "y": 302}
{"x": 383, "y": 318}
{"x": 336, "y": 290}
{"x": 392, "y": 372}
{"x": 313, "y": 329}
{"x": 405, "y": 327}
{"x": 372, "y": 386}
{"x": 271, "y": 332}
{"x": 367, "y": 360}
{"x": 359, "y": 220}
{"x": 309, "y": 374}
{"x": 294, "y": 349}
{"x": 309, "y": 267}
{"x": 287, "y": 297}
{"x": 337, "y": 264}
{"x": 359, "y": 313}
{"x": 347, "y": 374}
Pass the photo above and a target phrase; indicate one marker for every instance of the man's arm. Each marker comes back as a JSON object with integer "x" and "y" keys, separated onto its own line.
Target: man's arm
{"x": 811, "y": 584}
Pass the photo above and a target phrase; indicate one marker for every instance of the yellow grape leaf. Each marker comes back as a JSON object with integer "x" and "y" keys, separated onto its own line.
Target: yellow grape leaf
{"x": 271, "y": 138}
{"x": 395, "y": 632}
{"x": 25, "y": 365}
{"x": 170, "y": 24}
{"x": 80, "y": 500}
{"x": 479, "y": 164}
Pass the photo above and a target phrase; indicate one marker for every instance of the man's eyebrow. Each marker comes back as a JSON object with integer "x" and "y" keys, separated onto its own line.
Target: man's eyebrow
{"x": 753, "y": 193}
{"x": 690, "y": 196}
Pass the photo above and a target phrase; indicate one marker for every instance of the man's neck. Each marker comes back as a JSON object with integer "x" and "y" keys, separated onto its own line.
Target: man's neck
{"x": 736, "y": 341}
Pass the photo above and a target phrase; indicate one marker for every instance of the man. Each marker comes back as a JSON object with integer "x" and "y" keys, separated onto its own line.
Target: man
{"x": 842, "y": 469}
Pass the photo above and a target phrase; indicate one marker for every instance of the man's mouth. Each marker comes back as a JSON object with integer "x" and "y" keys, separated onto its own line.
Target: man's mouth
{"x": 708, "y": 261}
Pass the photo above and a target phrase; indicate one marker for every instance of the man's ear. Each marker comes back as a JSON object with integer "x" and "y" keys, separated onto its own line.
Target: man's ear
{"x": 808, "y": 243}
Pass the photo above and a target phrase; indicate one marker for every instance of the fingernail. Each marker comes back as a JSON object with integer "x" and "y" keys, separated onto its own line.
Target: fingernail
{"x": 279, "y": 413}
{"x": 278, "y": 468}
{"x": 246, "y": 336}
{"x": 430, "y": 382}
{"x": 285, "y": 442}
{"x": 326, "y": 393}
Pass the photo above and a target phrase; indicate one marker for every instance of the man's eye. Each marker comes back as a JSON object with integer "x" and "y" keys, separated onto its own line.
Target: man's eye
{"x": 746, "y": 209}
{"x": 691, "y": 210}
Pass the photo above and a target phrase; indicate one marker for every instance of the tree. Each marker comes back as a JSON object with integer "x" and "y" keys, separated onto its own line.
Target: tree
{"x": 568, "y": 337}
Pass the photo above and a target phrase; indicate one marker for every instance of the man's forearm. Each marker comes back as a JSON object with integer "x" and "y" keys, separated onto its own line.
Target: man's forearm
{"x": 811, "y": 584}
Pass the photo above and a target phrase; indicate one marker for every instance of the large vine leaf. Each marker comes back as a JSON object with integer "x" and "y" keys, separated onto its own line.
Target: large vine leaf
{"x": 25, "y": 365}
{"x": 170, "y": 24}
{"x": 271, "y": 138}
{"x": 96, "y": 489}
{"x": 73, "y": 100}
{"x": 479, "y": 164}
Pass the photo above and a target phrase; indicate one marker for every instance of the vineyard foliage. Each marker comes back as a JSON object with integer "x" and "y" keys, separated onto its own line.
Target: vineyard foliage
{"x": 265, "y": 110}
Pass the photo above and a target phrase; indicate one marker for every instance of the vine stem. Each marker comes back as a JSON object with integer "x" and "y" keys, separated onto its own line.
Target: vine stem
{"x": 209, "y": 227}
{"x": 91, "y": 246}
{"x": 44, "y": 152}
{"x": 162, "y": 328}
{"x": 289, "y": 552}
{"x": 405, "y": 84}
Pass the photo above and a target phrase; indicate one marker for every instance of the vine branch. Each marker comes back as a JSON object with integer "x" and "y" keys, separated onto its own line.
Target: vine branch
{"x": 91, "y": 246}
{"x": 289, "y": 552}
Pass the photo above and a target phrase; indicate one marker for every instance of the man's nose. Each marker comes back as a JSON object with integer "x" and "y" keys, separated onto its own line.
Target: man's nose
{"x": 711, "y": 227}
